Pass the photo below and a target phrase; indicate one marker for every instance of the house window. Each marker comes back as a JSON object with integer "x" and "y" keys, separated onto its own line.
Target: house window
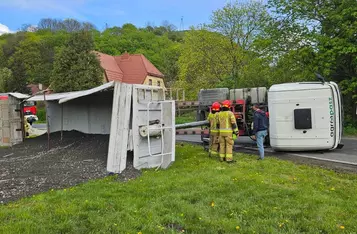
{"x": 150, "y": 81}
{"x": 158, "y": 83}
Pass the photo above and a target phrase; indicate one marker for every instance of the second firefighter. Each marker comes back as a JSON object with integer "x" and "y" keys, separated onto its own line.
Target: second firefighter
{"x": 227, "y": 125}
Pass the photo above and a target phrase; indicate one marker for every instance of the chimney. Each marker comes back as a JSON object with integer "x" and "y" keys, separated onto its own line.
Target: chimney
{"x": 125, "y": 55}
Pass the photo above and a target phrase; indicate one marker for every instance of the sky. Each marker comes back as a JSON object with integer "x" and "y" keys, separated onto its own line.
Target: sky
{"x": 15, "y": 13}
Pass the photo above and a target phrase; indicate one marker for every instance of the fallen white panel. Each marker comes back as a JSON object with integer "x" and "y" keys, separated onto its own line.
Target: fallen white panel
{"x": 149, "y": 106}
{"x": 86, "y": 92}
{"x": 119, "y": 130}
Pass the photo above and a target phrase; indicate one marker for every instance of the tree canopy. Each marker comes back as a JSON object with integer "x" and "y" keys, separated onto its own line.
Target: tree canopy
{"x": 243, "y": 45}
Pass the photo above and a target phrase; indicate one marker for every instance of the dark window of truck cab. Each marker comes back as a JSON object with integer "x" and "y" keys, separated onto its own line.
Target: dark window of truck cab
{"x": 29, "y": 103}
{"x": 302, "y": 118}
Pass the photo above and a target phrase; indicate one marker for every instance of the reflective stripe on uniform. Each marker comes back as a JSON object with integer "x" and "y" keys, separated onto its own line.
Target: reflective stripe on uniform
{"x": 226, "y": 121}
{"x": 226, "y": 130}
{"x": 213, "y": 119}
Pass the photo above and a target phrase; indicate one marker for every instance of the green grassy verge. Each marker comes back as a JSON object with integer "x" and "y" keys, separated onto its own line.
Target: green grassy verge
{"x": 186, "y": 118}
{"x": 197, "y": 195}
{"x": 350, "y": 131}
{"x": 40, "y": 122}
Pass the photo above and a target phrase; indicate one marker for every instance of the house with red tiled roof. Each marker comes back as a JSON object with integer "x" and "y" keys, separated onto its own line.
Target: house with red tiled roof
{"x": 131, "y": 69}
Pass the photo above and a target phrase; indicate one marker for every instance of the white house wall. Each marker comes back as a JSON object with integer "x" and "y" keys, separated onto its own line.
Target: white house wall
{"x": 89, "y": 114}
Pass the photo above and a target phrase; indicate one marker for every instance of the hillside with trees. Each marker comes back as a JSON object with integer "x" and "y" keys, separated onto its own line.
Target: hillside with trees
{"x": 243, "y": 45}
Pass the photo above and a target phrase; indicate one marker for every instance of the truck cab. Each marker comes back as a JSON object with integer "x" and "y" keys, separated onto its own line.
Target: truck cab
{"x": 305, "y": 116}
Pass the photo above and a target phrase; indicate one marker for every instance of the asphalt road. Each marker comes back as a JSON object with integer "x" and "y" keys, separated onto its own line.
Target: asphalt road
{"x": 39, "y": 126}
{"x": 341, "y": 158}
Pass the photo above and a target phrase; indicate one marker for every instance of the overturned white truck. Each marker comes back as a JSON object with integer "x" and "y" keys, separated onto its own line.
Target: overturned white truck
{"x": 302, "y": 116}
{"x": 305, "y": 116}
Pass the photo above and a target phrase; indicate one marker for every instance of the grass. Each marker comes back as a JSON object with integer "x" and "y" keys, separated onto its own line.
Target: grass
{"x": 350, "y": 131}
{"x": 186, "y": 118}
{"x": 198, "y": 195}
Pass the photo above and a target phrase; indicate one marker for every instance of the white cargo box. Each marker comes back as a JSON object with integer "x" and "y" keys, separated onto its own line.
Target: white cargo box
{"x": 208, "y": 96}
{"x": 305, "y": 116}
{"x": 258, "y": 95}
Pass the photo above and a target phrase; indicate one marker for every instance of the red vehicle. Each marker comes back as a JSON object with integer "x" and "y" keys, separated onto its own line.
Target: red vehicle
{"x": 30, "y": 108}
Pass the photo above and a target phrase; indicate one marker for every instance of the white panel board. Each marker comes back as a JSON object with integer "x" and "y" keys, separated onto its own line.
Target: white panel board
{"x": 149, "y": 105}
{"x": 119, "y": 131}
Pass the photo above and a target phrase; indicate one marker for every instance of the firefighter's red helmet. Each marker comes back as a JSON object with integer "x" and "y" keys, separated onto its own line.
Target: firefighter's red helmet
{"x": 216, "y": 106}
{"x": 226, "y": 103}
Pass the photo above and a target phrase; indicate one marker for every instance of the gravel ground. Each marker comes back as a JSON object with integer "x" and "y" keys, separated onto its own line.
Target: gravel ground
{"x": 29, "y": 168}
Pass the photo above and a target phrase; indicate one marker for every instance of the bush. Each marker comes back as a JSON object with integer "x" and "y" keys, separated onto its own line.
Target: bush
{"x": 41, "y": 114}
{"x": 350, "y": 130}
{"x": 186, "y": 118}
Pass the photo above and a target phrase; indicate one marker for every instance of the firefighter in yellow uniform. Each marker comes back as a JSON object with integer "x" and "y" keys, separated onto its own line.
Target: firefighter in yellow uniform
{"x": 227, "y": 125}
{"x": 214, "y": 134}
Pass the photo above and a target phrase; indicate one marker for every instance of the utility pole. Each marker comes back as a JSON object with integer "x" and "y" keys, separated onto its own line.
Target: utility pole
{"x": 182, "y": 27}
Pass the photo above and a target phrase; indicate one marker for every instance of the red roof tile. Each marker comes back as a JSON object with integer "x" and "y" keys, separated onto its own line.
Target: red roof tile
{"x": 110, "y": 67}
{"x": 132, "y": 69}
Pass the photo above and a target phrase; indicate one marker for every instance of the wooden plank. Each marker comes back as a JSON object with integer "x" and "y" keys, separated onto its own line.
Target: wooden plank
{"x": 112, "y": 159}
{"x": 124, "y": 127}
{"x": 119, "y": 130}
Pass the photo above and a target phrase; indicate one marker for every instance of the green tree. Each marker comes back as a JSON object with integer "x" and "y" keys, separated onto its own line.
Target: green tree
{"x": 17, "y": 82}
{"x": 2, "y": 58}
{"x": 75, "y": 66}
{"x": 159, "y": 49}
{"x": 331, "y": 28}
{"x": 5, "y": 76}
{"x": 204, "y": 61}
{"x": 241, "y": 23}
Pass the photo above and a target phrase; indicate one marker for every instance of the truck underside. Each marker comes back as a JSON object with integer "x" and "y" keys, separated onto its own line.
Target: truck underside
{"x": 241, "y": 100}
